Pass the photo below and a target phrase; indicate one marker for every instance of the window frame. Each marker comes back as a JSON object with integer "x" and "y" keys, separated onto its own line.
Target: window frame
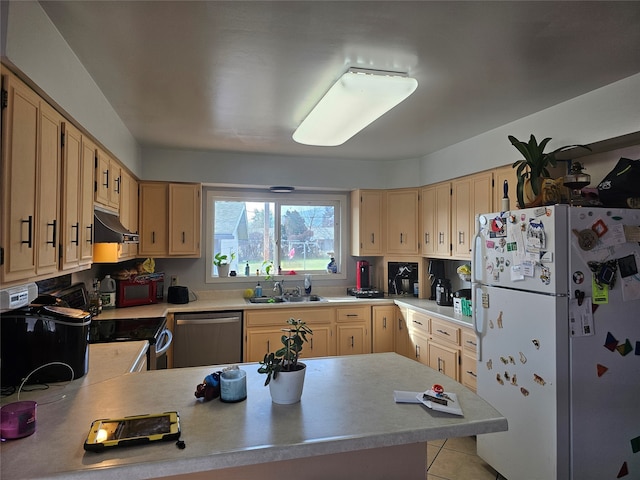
{"x": 339, "y": 200}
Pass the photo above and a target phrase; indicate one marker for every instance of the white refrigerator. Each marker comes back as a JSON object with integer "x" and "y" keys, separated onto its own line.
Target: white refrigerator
{"x": 556, "y": 306}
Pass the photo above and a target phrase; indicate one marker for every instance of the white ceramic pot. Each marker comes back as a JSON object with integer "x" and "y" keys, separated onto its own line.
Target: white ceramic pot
{"x": 287, "y": 388}
{"x": 223, "y": 270}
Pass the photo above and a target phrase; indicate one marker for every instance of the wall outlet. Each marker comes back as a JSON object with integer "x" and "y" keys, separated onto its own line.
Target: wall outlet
{"x": 174, "y": 280}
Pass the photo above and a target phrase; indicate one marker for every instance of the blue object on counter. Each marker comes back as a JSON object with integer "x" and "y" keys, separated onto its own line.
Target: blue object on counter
{"x": 258, "y": 290}
{"x": 233, "y": 385}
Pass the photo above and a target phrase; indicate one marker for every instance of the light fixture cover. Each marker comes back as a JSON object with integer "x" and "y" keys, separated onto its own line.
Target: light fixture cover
{"x": 357, "y": 99}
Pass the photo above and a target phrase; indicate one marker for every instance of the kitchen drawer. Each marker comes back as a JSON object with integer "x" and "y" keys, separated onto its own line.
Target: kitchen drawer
{"x": 354, "y": 314}
{"x": 469, "y": 340}
{"x": 469, "y": 373}
{"x": 445, "y": 331}
{"x": 279, "y": 316}
{"x": 418, "y": 322}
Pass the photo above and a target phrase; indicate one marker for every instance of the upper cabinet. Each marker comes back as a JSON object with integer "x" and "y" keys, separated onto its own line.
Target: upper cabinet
{"x": 128, "y": 212}
{"x": 76, "y": 235}
{"x": 435, "y": 207}
{"x": 402, "y": 221}
{"x": 501, "y": 174}
{"x": 108, "y": 180}
{"x": 170, "y": 219}
{"x": 366, "y": 222}
{"x": 471, "y": 195}
{"x": 31, "y": 133}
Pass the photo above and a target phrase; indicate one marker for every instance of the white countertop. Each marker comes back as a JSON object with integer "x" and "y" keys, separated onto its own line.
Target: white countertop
{"x": 347, "y": 405}
{"x": 236, "y": 302}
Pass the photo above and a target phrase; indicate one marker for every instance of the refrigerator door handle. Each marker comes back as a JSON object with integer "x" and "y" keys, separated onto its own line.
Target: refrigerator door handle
{"x": 478, "y": 317}
{"x": 477, "y": 265}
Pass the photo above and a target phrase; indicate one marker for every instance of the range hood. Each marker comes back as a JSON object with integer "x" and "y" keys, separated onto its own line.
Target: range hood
{"x": 108, "y": 229}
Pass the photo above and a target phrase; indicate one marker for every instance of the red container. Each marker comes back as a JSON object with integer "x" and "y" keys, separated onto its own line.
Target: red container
{"x": 362, "y": 276}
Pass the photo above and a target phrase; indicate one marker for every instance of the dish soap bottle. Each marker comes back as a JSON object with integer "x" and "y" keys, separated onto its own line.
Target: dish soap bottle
{"x": 258, "y": 290}
{"x": 307, "y": 284}
{"x": 247, "y": 270}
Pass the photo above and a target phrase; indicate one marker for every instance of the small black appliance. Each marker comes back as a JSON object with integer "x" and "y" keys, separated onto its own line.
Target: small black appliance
{"x": 363, "y": 279}
{"x": 436, "y": 271}
{"x": 178, "y": 295}
{"x": 41, "y": 334}
{"x": 443, "y": 292}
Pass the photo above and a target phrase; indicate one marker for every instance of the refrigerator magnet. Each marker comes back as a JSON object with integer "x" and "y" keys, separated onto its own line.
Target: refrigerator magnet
{"x": 539, "y": 380}
{"x": 524, "y": 391}
{"x": 523, "y": 359}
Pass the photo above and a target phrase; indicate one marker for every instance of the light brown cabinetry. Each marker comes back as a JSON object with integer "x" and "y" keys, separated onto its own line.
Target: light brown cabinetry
{"x": 384, "y": 319}
{"x": 403, "y": 342}
{"x": 31, "y": 163}
{"x": 128, "y": 212}
{"x": 263, "y": 331}
{"x": 501, "y": 174}
{"x": 468, "y": 375}
{"x": 402, "y": 221}
{"x": 418, "y": 326}
{"x": 353, "y": 330}
{"x": 444, "y": 348}
{"x": 471, "y": 194}
{"x": 108, "y": 180}
{"x": 76, "y": 240}
{"x": 435, "y": 203}
{"x": 366, "y": 222}
{"x": 170, "y": 219}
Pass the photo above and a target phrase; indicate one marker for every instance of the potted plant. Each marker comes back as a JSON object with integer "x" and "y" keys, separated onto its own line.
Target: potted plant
{"x": 222, "y": 262}
{"x": 534, "y": 168}
{"x": 285, "y": 374}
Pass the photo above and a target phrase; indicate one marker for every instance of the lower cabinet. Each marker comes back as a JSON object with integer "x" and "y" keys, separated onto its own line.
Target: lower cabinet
{"x": 384, "y": 321}
{"x": 469, "y": 377}
{"x": 263, "y": 331}
{"x": 445, "y": 359}
{"x": 353, "y": 327}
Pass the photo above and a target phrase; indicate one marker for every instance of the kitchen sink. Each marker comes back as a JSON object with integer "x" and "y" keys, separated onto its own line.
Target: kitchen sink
{"x": 266, "y": 300}
{"x": 287, "y": 299}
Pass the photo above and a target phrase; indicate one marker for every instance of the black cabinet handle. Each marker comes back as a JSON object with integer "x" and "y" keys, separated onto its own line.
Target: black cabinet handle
{"x": 29, "y": 223}
{"x": 53, "y": 237}
{"x": 90, "y": 239}
{"x": 77, "y": 229}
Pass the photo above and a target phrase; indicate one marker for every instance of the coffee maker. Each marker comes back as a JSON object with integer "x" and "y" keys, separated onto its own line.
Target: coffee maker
{"x": 436, "y": 272}
{"x": 363, "y": 281}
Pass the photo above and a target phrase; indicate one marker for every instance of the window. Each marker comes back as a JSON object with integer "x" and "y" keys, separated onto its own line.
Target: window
{"x": 295, "y": 232}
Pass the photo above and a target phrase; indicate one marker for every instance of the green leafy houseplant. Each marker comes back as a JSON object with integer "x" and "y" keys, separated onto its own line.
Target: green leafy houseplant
{"x": 223, "y": 259}
{"x": 535, "y": 165}
{"x": 286, "y": 358}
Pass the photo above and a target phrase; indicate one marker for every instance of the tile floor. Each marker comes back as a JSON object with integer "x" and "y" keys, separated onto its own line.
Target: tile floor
{"x": 456, "y": 459}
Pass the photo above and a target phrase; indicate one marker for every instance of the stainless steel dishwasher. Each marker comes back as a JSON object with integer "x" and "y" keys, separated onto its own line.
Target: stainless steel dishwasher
{"x": 207, "y": 338}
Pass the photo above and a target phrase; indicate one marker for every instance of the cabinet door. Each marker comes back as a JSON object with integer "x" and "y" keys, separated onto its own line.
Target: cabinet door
{"x": 87, "y": 170}
{"x": 420, "y": 346}
{"x": 320, "y": 343}
{"x": 384, "y": 324}
{"x": 443, "y": 220}
{"x": 469, "y": 376}
{"x": 461, "y": 204}
{"x": 260, "y": 342}
{"x": 403, "y": 342}
{"x": 153, "y": 219}
{"x": 115, "y": 190}
{"x": 19, "y": 159}
{"x": 402, "y": 221}
{"x": 444, "y": 359}
{"x": 500, "y": 175}
{"x": 353, "y": 339}
{"x": 481, "y": 200}
{"x": 366, "y": 222}
{"x": 70, "y": 230}
{"x": 103, "y": 178}
{"x": 48, "y": 199}
{"x": 128, "y": 212}
{"x": 428, "y": 220}
{"x": 184, "y": 219}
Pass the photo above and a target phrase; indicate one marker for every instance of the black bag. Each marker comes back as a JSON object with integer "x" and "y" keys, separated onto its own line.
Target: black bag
{"x": 620, "y": 184}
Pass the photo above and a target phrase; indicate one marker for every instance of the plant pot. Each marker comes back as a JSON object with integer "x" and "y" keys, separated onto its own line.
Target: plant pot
{"x": 287, "y": 388}
{"x": 223, "y": 270}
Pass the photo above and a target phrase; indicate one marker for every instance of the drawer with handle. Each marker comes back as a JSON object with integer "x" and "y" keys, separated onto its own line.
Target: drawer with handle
{"x": 445, "y": 331}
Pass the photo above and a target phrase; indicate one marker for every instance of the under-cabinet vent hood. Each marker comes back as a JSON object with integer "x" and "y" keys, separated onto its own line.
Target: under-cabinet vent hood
{"x": 108, "y": 229}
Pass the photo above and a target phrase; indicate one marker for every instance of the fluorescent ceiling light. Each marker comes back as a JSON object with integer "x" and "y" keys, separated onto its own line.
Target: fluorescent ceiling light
{"x": 357, "y": 99}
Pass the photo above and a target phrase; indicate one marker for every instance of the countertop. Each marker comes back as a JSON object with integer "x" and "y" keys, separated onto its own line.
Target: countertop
{"x": 234, "y": 301}
{"x": 347, "y": 405}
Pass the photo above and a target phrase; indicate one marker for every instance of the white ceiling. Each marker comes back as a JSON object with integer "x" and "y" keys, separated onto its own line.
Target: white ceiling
{"x": 240, "y": 75}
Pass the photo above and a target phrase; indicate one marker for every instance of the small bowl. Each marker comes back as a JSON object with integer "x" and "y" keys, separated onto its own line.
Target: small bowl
{"x": 18, "y": 419}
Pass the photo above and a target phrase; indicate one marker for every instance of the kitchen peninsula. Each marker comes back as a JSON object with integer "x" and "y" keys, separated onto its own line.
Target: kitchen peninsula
{"x": 346, "y": 426}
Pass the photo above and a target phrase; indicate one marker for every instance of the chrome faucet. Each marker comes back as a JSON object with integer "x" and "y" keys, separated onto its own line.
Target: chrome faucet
{"x": 279, "y": 287}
